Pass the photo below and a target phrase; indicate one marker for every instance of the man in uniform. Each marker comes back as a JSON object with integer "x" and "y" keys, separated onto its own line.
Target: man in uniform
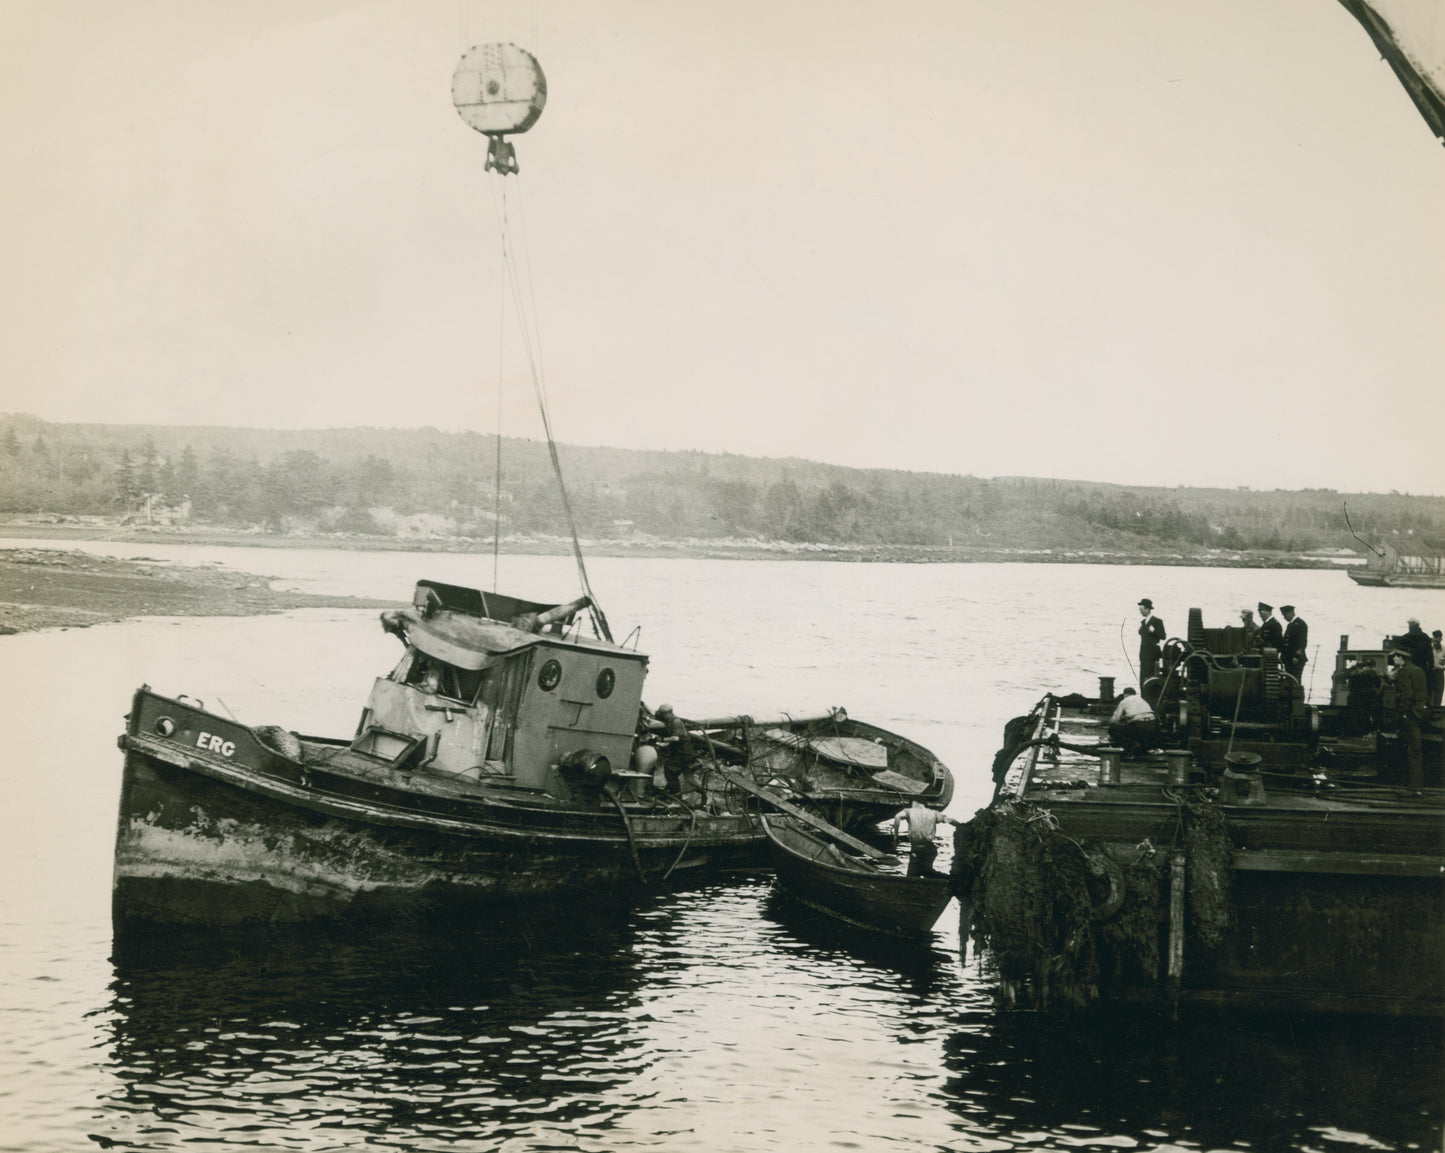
{"x": 1296, "y": 641}
{"x": 1271, "y": 632}
{"x": 1412, "y": 703}
{"x": 1151, "y": 638}
{"x": 1417, "y": 645}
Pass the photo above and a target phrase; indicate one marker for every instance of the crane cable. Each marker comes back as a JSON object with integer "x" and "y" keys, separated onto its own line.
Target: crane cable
{"x": 532, "y": 343}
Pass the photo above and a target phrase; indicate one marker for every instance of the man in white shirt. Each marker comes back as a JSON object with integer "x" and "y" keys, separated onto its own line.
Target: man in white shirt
{"x": 923, "y": 824}
{"x": 1133, "y": 727}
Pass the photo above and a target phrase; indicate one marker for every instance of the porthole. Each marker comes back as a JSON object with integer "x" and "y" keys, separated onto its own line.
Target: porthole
{"x": 165, "y": 726}
{"x": 606, "y": 682}
{"x": 550, "y": 676}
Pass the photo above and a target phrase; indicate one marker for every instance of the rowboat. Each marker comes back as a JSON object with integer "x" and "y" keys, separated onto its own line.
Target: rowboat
{"x": 860, "y": 890}
{"x": 852, "y": 773}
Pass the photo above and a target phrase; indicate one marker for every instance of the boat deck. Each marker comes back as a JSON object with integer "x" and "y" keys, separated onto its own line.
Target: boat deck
{"x": 1295, "y": 818}
{"x": 1058, "y": 774}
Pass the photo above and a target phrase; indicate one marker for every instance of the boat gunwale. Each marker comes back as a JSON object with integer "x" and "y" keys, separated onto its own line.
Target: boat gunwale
{"x": 254, "y": 782}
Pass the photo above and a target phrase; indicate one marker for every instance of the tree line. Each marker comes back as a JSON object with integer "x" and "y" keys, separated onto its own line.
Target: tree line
{"x": 385, "y": 482}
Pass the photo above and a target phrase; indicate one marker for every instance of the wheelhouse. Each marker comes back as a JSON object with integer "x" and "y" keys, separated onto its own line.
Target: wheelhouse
{"x": 493, "y": 688}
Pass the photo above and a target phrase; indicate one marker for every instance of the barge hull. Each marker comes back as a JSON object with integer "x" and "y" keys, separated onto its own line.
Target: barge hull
{"x": 1155, "y": 880}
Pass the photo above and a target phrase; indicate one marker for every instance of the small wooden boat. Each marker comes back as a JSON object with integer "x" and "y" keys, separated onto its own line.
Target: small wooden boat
{"x": 852, "y": 773}
{"x": 851, "y": 887}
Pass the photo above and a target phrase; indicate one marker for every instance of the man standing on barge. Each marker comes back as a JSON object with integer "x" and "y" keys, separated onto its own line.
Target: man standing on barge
{"x": 1411, "y": 703}
{"x": 1151, "y": 639}
{"x": 1271, "y": 632}
{"x": 1296, "y": 641}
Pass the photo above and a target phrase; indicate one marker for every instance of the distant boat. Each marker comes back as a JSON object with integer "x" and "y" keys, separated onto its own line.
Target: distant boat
{"x": 1387, "y": 567}
{"x": 850, "y": 887}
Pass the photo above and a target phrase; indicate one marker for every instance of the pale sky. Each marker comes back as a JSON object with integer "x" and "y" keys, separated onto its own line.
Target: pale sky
{"x": 1192, "y": 242}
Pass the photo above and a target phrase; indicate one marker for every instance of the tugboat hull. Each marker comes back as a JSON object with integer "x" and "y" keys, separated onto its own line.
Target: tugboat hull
{"x": 210, "y": 839}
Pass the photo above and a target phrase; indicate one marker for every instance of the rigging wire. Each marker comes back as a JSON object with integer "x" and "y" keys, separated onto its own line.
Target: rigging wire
{"x": 531, "y": 343}
{"x": 501, "y": 369}
{"x": 1379, "y": 552}
{"x": 1125, "y": 647}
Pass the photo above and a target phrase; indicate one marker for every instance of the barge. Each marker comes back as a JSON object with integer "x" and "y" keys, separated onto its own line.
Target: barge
{"x": 1387, "y": 567}
{"x": 1260, "y": 853}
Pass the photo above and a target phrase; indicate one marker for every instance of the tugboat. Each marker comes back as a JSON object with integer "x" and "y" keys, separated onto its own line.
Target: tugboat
{"x": 499, "y": 758}
{"x": 1263, "y": 853}
{"x": 506, "y": 756}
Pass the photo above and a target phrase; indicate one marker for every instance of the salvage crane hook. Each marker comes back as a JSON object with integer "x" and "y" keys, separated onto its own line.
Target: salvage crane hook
{"x": 499, "y": 89}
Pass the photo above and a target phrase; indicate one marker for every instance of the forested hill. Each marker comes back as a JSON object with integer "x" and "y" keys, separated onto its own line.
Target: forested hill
{"x": 422, "y": 482}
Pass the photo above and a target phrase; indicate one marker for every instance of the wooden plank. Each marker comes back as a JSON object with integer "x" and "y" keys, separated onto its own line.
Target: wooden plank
{"x": 807, "y": 818}
{"x": 1327, "y": 861}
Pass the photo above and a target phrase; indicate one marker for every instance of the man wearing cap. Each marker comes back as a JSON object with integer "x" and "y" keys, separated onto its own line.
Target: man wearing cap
{"x": 1417, "y": 645}
{"x": 1151, "y": 638}
{"x": 1271, "y": 632}
{"x": 1411, "y": 702}
{"x": 680, "y": 747}
{"x": 1296, "y": 641}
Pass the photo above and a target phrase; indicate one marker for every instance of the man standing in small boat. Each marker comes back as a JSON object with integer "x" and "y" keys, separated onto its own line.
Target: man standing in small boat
{"x": 1151, "y": 640}
{"x": 923, "y": 825}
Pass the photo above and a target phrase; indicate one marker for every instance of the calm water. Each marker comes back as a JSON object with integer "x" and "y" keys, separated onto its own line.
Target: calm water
{"x": 710, "y": 1018}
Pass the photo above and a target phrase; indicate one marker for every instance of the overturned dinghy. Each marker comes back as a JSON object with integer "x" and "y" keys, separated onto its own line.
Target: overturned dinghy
{"x": 496, "y": 760}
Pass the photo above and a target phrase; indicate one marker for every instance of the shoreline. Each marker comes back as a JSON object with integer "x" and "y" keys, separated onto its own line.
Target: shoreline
{"x": 723, "y": 549}
{"x": 51, "y": 589}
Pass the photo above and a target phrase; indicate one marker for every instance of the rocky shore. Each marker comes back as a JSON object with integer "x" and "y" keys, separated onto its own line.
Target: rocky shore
{"x": 47, "y": 588}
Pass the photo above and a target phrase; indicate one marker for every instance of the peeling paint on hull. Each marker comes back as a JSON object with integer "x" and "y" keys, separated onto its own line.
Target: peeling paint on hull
{"x": 192, "y": 850}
